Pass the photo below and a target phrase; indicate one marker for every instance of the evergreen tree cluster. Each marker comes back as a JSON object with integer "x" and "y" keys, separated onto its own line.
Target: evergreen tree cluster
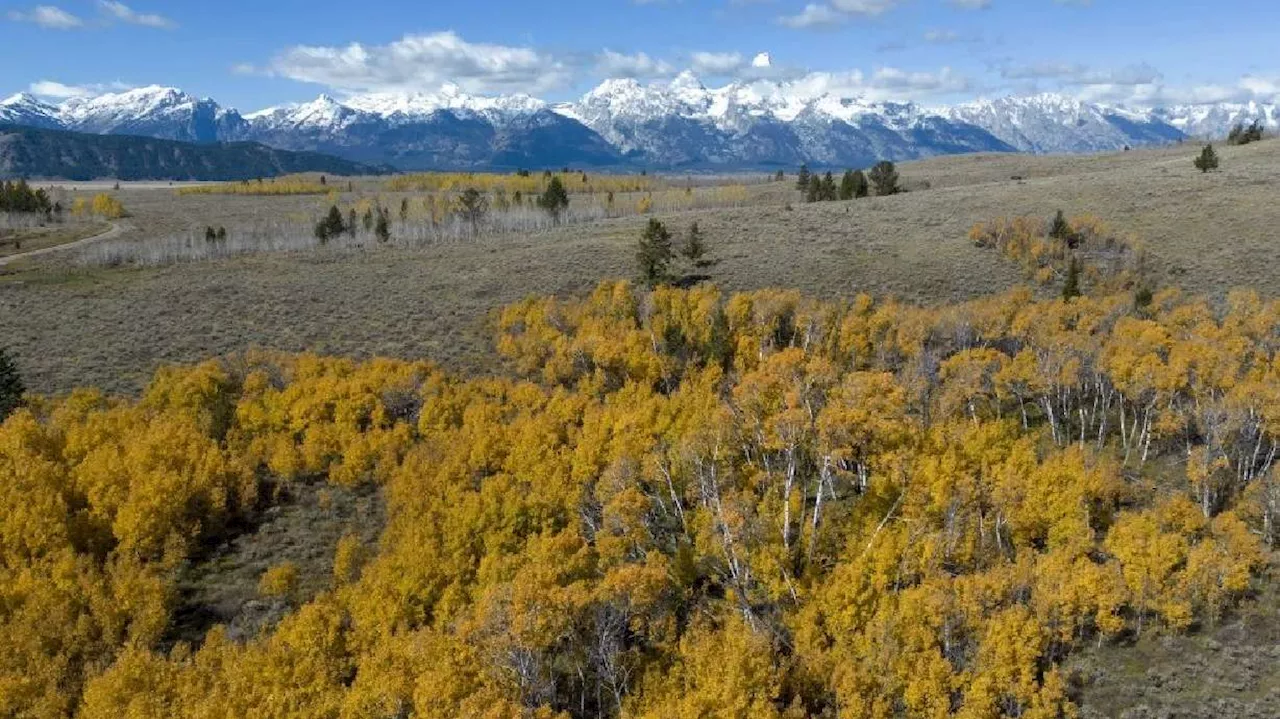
{"x": 331, "y": 226}
{"x": 657, "y": 251}
{"x": 1241, "y": 135}
{"x": 376, "y": 219}
{"x": 20, "y": 197}
{"x": 855, "y": 184}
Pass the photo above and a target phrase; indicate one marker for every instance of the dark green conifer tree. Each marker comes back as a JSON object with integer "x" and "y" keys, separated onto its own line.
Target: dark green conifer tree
{"x": 654, "y": 254}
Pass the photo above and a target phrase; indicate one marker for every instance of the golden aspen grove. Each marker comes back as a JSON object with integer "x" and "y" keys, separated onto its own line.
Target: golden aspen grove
{"x": 676, "y": 504}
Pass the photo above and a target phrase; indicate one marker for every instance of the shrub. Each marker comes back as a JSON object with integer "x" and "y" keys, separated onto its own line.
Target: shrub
{"x": 279, "y": 581}
{"x": 1208, "y": 159}
{"x": 107, "y": 207}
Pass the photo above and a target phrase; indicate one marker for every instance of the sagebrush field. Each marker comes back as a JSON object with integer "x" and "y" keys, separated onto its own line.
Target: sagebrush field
{"x": 72, "y": 323}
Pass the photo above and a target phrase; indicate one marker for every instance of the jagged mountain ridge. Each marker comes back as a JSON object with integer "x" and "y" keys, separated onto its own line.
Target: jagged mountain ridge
{"x": 676, "y": 124}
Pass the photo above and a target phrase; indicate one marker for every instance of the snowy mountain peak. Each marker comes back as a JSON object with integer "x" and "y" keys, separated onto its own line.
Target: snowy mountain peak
{"x": 22, "y": 98}
{"x": 620, "y": 88}
{"x": 679, "y": 122}
{"x": 26, "y": 109}
{"x": 687, "y": 81}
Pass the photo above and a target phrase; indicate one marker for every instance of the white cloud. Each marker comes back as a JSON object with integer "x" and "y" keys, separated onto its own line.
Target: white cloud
{"x": 124, "y": 13}
{"x": 47, "y": 16}
{"x": 884, "y": 84}
{"x": 718, "y": 63}
{"x": 1157, "y": 94}
{"x": 835, "y": 12}
{"x": 639, "y": 65}
{"x": 941, "y": 37}
{"x": 972, "y": 4}
{"x": 865, "y": 7}
{"x": 424, "y": 62}
{"x": 1138, "y": 85}
{"x": 50, "y": 88}
{"x": 813, "y": 16}
{"x": 60, "y": 91}
{"x": 1074, "y": 74}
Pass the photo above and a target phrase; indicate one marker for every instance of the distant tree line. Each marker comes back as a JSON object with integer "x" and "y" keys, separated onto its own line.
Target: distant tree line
{"x": 882, "y": 178}
{"x": 1241, "y": 135}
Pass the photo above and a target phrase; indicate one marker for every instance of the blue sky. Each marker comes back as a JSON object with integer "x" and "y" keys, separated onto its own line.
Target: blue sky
{"x": 253, "y": 54}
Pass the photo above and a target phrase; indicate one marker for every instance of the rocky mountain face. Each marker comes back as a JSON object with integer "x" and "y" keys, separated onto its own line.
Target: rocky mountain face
{"x": 676, "y": 124}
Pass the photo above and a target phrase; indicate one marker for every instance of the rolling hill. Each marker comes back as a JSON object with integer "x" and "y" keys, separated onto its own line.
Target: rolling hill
{"x": 44, "y": 153}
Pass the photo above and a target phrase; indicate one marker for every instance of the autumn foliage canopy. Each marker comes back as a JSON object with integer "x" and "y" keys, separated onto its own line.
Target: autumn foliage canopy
{"x": 681, "y": 504}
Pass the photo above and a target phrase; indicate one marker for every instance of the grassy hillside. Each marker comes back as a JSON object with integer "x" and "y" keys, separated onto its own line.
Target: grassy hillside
{"x": 35, "y": 153}
{"x": 111, "y": 327}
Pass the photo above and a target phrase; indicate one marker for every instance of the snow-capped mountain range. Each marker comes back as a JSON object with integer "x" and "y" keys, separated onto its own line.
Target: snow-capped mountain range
{"x": 679, "y": 123}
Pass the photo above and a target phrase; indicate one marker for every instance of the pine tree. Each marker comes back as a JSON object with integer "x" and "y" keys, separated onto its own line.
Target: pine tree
{"x": 847, "y": 186}
{"x": 1071, "y": 288}
{"x": 1060, "y": 229}
{"x": 654, "y": 254}
{"x": 473, "y": 205}
{"x": 210, "y": 234}
{"x": 331, "y": 226}
{"x": 367, "y": 219}
{"x": 885, "y": 178}
{"x": 221, "y": 234}
{"x": 351, "y": 222}
{"x": 1208, "y": 159}
{"x": 814, "y": 191}
{"x": 382, "y": 228}
{"x": 828, "y": 191}
{"x": 404, "y": 210}
{"x": 802, "y": 178}
{"x": 694, "y": 248}
{"x": 861, "y": 188}
{"x": 780, "y": 176}
{"x": 11, "y": 387}
{"x": 555, "y": 199}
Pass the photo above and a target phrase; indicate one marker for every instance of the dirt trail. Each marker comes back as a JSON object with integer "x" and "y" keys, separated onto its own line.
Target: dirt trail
{"x": 115, "y": 231}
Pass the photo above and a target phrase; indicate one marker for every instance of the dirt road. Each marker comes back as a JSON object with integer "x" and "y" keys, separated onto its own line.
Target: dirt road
{"x": 115, "y": 230}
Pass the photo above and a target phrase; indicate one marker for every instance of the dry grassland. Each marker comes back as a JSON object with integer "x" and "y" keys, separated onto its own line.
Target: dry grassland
{"x": 70, "y": 325}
